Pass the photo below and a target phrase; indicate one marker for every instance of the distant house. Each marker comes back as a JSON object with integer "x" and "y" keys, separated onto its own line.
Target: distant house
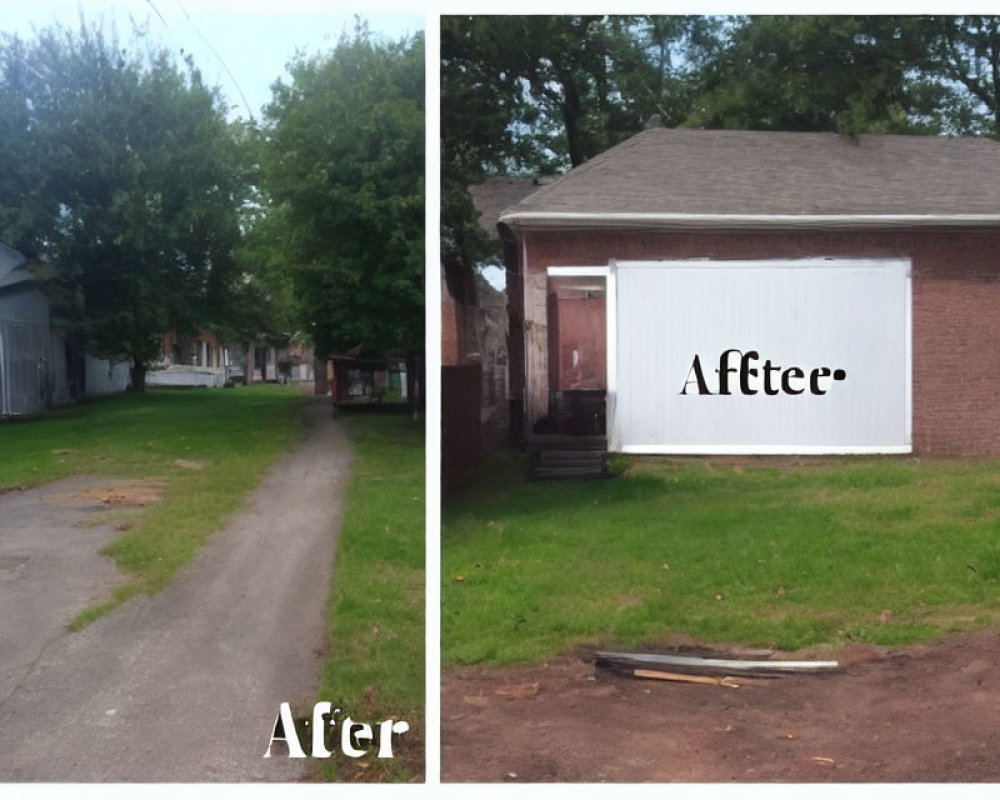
{"x": 205, "y": 360}
{"x": 298, "y": 363}
{"x": 39, "y": 365}
{"x": 694, "y": 291}
{"x": 293, "y": 363}
{"x": 262, "y": 363}
{"x": 199, "y": 360}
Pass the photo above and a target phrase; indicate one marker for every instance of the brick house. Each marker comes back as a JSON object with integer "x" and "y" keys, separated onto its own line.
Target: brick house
{"x": 474, "y": 391}
{"x": 697, "y": 291}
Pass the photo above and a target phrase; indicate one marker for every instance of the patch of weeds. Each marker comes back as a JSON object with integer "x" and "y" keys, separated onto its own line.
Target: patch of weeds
{"x": 987, "y": 565}
{"x": 84, "y": 618}
{"x": 872, "y": 475}
{"x": 893, "y": 634}
{"x": 617, "y": 464}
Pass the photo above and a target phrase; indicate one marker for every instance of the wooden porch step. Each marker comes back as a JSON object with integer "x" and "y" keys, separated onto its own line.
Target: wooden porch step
{"x": 542, "y": 442}
{"x": 562, "y": 463}
{"x": 571, "y": 456}
{"x": 562, "y": 473}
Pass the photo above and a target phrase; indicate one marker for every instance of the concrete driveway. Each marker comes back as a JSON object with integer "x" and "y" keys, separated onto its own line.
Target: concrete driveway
{"x": 50, "y": 567}
{"x": 185, "y": 685}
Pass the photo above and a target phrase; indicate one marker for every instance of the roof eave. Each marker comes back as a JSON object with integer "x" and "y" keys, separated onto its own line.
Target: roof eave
{"x": 16, "y": 278}
{"x": 740, "y": 222}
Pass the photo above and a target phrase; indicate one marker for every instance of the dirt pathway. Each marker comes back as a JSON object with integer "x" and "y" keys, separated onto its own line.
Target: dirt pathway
{"x": 924, "y": 714}
{"x": 185, "y": 685}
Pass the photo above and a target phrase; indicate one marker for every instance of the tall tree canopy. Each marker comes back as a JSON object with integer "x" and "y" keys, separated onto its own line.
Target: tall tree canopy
{"x": 343, "y": 180}
{"x": 821, "y": 73}
{"x": 543, "y": 93}
{"x": 965, "y": 51}
{"x": 122, "y": 177}
{"x": 548, "y": 92}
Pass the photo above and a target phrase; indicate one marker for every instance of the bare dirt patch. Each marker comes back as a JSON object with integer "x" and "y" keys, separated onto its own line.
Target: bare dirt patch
{"x": 138, "y": 493}
{"x": 927, "y": 713}
{"x": 184, "y": 463}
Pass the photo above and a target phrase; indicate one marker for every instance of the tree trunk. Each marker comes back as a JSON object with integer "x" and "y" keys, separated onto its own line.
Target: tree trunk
{"x": 572, "y": 114}
{"x": 415, "y": 376}
{"x": 137, "y": 376}
{"x": 994, "y": 50}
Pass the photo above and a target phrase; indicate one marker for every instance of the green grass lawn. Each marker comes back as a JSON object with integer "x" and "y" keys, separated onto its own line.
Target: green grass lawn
{"x": 234, "y": 435}
{"x": 782, "y": 556}
{"x": 374, "y": 668}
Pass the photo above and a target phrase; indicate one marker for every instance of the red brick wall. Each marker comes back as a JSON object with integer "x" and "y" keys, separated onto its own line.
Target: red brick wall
{"x": 956, "y": 309}
{"x": 451, "y": 352}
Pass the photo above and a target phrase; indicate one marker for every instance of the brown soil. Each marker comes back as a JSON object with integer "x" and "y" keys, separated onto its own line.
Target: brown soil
{"x": 183, "y": 463}
{"x": 139, "y": 493}
{"x": 925, "y": 714}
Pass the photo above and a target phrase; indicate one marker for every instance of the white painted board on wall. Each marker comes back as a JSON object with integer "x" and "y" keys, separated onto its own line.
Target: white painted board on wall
{"x": 809, "y": 356}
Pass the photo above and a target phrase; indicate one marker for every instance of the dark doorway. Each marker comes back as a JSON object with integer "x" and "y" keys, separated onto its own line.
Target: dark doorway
{"x": 577, "y": 325}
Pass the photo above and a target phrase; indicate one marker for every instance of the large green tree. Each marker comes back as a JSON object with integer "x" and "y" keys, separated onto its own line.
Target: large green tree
{"x": 343, "y": 179}
{"x": 482, "y": 119}
{"x": 548, "y": 92}
{"x": 260, "y": 305}
{"x": 965, "y": 54}
{"x": 850, "y": 74}
{"x": 539, "y": 94}
{"x": 123, "y": 179}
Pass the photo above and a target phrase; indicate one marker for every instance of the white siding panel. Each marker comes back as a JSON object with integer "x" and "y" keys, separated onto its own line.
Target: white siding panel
{"x": 849, "y": 315}
{"x": 104, "y": 377}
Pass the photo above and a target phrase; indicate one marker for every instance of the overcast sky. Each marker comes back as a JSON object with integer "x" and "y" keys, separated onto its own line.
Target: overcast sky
{"x": 254, "y": 39}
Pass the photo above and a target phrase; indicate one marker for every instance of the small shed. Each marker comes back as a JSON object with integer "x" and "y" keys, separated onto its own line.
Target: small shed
{"x": 25, "y": 340}
{"x": 707, "y": 292}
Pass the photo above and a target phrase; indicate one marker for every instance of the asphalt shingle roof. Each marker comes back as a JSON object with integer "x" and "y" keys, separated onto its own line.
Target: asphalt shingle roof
{"x": 685, "y": 171}
{"x": 495, "y": 194}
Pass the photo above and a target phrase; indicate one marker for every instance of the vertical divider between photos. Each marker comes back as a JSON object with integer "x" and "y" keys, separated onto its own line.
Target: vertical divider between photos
{"x": 432, "y": 417}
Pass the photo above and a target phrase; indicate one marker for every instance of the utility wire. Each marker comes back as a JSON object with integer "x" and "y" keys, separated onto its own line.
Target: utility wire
{"x": 225, "y": 66}
{"x": 152, "y": 5}
{"x": 215, "y": 53}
